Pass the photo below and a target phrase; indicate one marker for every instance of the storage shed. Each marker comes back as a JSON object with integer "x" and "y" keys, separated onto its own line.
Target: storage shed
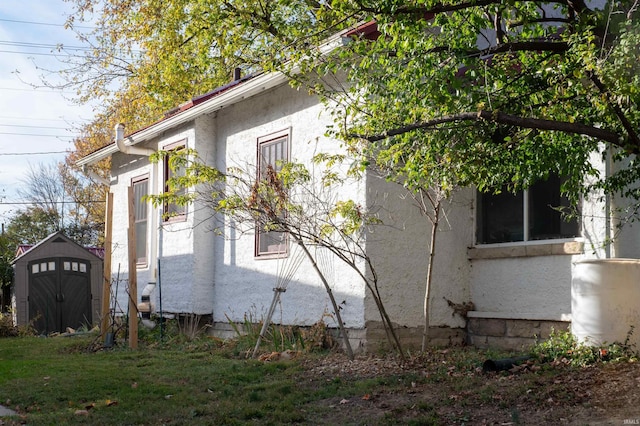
{"x": 57, "y": 284}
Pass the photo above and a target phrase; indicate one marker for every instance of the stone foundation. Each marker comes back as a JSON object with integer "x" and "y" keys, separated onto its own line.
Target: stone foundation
{"x": 373, "y": 337}
{"x": 499, "y": 333}
{"x": 411, "y": 337}
{"x": 510, "y": 334}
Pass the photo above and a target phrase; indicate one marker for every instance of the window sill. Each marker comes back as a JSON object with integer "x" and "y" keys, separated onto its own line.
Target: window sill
{"x": 526, "y": 250}
{"x": 175, "y": 219}
{"x": 266, "y": 256}
{"x": 520, "y": 316}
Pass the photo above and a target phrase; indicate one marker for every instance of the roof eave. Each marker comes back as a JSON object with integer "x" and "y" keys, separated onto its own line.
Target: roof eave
{"x": 98, "y": 155}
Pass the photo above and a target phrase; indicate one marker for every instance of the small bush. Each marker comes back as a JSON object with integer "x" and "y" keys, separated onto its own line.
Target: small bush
{"x": 562, "y": 347}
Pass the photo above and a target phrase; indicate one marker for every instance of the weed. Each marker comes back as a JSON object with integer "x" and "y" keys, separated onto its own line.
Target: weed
{"x": 562, "y": 347}
{"x": 280, "y": 338}
{"x": 191, "y": 326}
{"x": 317, "y": 337}
{"x": 7, "y": 329}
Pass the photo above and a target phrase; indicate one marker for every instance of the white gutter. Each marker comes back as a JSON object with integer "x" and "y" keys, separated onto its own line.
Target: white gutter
{"x": 232, "y": 96}
{"x": 129, "y": 149}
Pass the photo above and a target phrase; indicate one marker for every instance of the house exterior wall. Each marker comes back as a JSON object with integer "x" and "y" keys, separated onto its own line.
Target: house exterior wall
{"x": 399, "y": 250}
{"x": 186, "y": 288}
{"x": 244, "y": 283}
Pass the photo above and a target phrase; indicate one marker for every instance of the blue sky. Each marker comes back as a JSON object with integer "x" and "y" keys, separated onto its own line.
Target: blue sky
{"x": 36, "y": 124}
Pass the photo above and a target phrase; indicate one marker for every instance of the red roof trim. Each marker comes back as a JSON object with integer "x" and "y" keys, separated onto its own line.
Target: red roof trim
{"x": 368, "y": 31}
{"x": 23, "y": 248}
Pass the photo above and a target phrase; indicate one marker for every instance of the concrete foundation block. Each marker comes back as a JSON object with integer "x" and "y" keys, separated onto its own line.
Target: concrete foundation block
{"x": 487, "y": 327}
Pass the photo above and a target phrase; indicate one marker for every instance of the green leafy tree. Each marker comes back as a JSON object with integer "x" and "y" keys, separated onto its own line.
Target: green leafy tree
{"x": 32, "y": 225}
{"x": 7, "y": 254}
{"x": 505, "y": 92}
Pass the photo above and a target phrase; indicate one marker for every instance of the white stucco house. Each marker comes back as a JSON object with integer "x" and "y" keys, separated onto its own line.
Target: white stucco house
{"x": 513, "y": 257}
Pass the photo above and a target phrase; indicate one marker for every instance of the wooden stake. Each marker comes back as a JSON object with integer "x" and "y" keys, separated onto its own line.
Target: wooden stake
{"x": 133, "y": 278}
{"x": 106, "y": 285}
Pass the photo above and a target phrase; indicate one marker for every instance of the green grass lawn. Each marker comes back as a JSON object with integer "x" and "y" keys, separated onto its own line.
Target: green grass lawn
{"x": 62, "y": 380}
{"x": 50, "y": 379}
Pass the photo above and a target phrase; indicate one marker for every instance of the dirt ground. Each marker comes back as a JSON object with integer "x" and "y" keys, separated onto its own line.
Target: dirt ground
{"x": 531, "y": 394}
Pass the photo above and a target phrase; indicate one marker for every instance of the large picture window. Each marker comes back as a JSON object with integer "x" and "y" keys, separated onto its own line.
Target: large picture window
{"x": 141, "y": 216}
{"x": 533, "y": 214}
{"x": 273, "y": 150}
{"x": 173, "y": 211}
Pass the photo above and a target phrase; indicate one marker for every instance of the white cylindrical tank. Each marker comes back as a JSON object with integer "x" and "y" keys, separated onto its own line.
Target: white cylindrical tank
{"x": 605, "y": 301}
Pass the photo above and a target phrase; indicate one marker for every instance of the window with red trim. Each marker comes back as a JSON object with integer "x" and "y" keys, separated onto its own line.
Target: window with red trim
{"x": 173, "y": 211}
{"x": 273, "y": 151}
{"x": 140, "y": 216}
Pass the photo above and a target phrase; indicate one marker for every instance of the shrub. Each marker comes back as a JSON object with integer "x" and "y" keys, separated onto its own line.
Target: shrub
{"x": 563, "y": 347}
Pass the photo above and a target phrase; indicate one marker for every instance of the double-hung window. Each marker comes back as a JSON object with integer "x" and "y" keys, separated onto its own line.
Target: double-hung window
{"x": 140, "y": 216}
{"x": 529, "y": 215}
{"x": 173, "y": 211}
{"x": 273, "y": 151}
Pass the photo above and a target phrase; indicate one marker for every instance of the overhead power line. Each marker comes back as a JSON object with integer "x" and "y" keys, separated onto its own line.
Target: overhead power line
{"x": 38, "y": 135}
{"x": 33, "y": 127}
{"x": 26, "y": 203}
{"x": 34, "y": 53}
{"x": 45, "y": 23}
{"x": 33, "y": 153}
{"x": 59, "y": 46}
{"x": 38, "y": 90}
{"x": 15, "y": 117}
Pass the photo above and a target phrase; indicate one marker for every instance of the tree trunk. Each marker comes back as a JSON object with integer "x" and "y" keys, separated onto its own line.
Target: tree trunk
{"x": 336, "y": 309}
{"x": 427, "y": 292}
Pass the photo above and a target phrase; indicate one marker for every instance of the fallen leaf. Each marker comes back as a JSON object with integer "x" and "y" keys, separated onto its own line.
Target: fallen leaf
{"x": 90, "y": 406}
{"x": 111, "y": 403}
{"x": 134, "y": 385}
{"x": 81, "y": 413}
{"x": 344, "y": 401}
{"x": 366, "y": 397}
